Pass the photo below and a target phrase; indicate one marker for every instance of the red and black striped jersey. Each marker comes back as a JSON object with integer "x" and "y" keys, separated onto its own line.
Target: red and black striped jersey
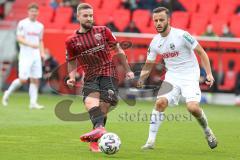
{"x": 92, "y": 51}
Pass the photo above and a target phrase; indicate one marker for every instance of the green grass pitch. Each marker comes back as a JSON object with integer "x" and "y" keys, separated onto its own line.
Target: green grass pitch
{"x": 38, "y": 134}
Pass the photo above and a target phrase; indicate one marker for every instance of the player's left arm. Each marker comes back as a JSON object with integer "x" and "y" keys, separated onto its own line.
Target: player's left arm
{"x": 206, "y": 64}
{"x": 123, "y": 59}
{"x": 41, "y": 47}
{"x": 111, "y": 39}
{"x": 41, "y": 44}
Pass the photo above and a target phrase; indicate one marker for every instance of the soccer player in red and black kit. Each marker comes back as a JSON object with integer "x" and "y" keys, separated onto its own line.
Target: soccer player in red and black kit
{"x": 90, "y": 48}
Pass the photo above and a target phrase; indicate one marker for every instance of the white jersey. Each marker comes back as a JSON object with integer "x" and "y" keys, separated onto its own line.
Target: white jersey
{"x": 33, "y": 33}
{"x": 30, "y": 65}
{"x": 177, "y": 51}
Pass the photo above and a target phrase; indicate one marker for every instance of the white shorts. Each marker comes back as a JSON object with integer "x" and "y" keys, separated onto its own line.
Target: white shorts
{"x": 190, "y": 90}
{"x": 29, "y": 67}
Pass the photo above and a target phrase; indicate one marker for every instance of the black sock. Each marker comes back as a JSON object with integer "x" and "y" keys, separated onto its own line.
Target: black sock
{"x": 96, "y": 116}
{"x": 105, "y": 120}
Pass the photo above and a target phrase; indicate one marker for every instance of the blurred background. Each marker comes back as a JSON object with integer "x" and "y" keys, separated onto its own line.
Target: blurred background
{"x": 215, "y": 24}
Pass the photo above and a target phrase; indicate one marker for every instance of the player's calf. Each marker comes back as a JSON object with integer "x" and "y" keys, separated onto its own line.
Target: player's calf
{"x": 194, "y": 109}
{"x": 161, "y": 104}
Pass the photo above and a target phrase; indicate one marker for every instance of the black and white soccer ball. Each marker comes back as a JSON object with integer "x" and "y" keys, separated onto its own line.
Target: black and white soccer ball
{"x": 109, "y": 143}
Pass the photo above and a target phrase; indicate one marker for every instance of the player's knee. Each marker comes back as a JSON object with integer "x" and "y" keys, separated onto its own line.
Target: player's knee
{"x": 90, "y": 103}
{"x": 23, "y": 81}
{"x": 161, "y": 104}
{"x": 113, "y": 100}
{"x": 92, "y": 100}
{"x": 194, "y": 108}
{"x": 35, "y": 81}
{"x": 110, "y": 97}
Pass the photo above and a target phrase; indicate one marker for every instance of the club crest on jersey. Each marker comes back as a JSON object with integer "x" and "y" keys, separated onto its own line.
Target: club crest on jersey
{"x": 172, "y": 46}
{"x": 98, "y": 36}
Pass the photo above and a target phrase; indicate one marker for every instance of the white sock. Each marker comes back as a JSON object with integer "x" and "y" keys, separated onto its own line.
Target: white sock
{"x": 203, "y": 122}
{"x": 155, "y": 121}
{"x": 33, "y": 93}
{"x": 14, "y": 86}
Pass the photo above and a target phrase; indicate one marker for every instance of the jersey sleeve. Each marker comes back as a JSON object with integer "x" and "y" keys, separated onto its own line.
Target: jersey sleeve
{"x": 69, "y": 51}
{"x": 189, "y": 41}
{"x": 151, "y": 53}
{"x": 20, "y": 29}
{"x": 110, "y": 36}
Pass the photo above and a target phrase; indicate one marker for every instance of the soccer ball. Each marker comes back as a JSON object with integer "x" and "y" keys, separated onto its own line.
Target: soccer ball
{"x": 109, "y": 143}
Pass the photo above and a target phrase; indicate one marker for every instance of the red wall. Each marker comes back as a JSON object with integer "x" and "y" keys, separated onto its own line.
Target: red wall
{"x": 55, "y": 41}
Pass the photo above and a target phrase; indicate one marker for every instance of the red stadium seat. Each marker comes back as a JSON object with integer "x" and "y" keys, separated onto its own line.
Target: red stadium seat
{"x": 198, "y": 23}
{"x": 94, "y": 3}
{"x": 16, "y": 16}
{"x": 218, "y": 21}
{"x": 111, "y": 5}
{"x": 227, "y": 7}
{"x": 72, "y": 26}
{"x": 54, "y": 25}
{"x": 63, "y": 15}
{"x": 180, "y": 19}
{"x": 207, "y": 6}
{"x": 45, "y": 14}
{"x": 151, "y": 28}
{"x": 214, "y": 57}
{"x": 121, "y": 18}
{"x": 229, "y": 81}
{"x": 191, "y": 6}
{"x": 141, "y": 18}
{"x": 64, "y": 11}
{"x": 234, "y": 25}
{"x": 226, "y": 57}
{"x": 25, "y": 3}
{"x": 102, "y": 17}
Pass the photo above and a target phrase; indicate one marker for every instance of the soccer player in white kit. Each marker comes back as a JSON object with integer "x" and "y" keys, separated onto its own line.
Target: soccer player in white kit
{"x": 177, "y": 48}
{"x": 30, "y": 39}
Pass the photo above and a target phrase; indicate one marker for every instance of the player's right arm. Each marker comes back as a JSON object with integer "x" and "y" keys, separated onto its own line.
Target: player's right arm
{"x": 72, "y": 64}
{"x": 146, "y": 70}
{"x": 192, "y": 44}
{"x": 72, "y": 73}
{"x": 21, "y": 39}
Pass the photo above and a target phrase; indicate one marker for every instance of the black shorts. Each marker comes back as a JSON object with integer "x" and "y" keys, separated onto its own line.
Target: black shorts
{"x": 106, "y": 86}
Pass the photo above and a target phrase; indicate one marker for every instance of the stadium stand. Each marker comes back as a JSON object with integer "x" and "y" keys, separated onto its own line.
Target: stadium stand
{"x": 180, "y": 19}
{"x": 198, "y": 15}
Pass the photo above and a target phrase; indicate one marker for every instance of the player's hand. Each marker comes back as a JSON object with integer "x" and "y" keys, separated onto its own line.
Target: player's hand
{"x": 71, "y": 82}
{"x": 140, "y": 84}
{"x": 209, "y": 80}
{"x": 43, "y": 57}
{"x": 129, "y": 75}
{"x": 34, "y": 46}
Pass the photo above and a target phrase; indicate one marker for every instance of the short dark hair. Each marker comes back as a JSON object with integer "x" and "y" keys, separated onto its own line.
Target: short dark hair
{"x": 82, "y": 6}
{"x": 33, "y": 5}
{"x": 161, "y": 9}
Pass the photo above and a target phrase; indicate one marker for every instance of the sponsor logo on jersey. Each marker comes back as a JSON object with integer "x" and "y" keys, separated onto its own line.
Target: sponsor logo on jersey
{"x": 170, "y": 54}
{"x": 94, "y": 50}
{"x": 98, "y": 36}
{"x": 32, "y": 33}
{"x": 188, "y": 38}
{"x": 172, "y": 46}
